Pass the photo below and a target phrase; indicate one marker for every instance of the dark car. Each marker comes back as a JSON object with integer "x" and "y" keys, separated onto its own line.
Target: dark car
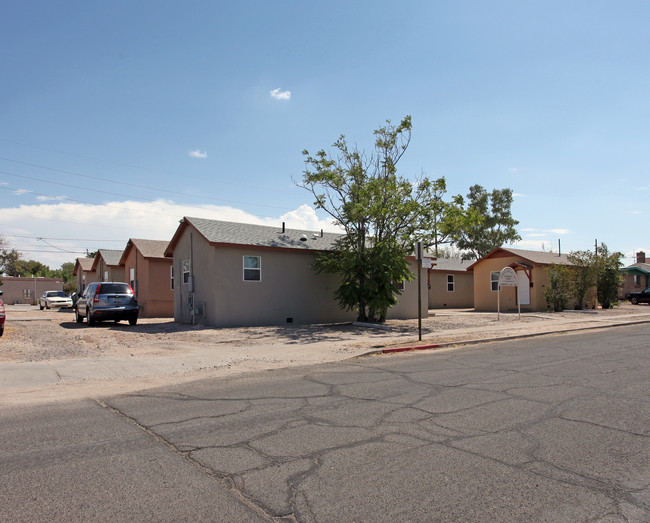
{"x": 2, "y": 316}
{"x": 107, "y": 301}
{"x": 639, "y": 297}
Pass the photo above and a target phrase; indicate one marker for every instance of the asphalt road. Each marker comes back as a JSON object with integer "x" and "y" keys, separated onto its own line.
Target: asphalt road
{"x": 548, "y": 429}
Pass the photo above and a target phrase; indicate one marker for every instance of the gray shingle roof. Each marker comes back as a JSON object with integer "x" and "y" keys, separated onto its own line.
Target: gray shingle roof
{"x": 85, "y": 264}
{"x": 150, "y": 248}
{"x": 540, "y": 257}
{"x": 643, "y": 267}
{"x": 446, "y": 264}
{"x": 262, "y": 236}
{"x": 111, "y": 256}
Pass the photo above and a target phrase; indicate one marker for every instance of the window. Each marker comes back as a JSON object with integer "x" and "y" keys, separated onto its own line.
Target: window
{"x": 186, "y": 271}
{"x": 106, "y": 276}
{"x": 450, "y": 283}
{"x": 27, "y": 293}
{"x": 132, "y": 278}
{"x": 252, "y": 268}
{"x": 171, "y": 277}
{"x": 637, "y": 280}
{"x": 494, "y": 280}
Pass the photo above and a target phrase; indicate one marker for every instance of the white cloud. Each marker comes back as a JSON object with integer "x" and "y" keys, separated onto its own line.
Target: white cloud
{"x": 20, "y": 192}
{"x": 50, "y": 198}
{"x": 518, "y": 195}
{"x": 198, "y": 154}
{"x": 109, "y": 226}
{"x": 532, "y": 245}
{"x": 512, "y": 170}
{"x": 559, "y": 231}
{"x": 281, "y": 95}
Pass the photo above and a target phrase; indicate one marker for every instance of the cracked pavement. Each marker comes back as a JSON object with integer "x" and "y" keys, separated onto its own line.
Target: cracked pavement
{"x": 548, "y": 429}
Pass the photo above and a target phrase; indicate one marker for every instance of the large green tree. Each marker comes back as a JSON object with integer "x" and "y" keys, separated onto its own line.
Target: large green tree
{"x": 484, "y": 221}
{"x": 380, "y": 212}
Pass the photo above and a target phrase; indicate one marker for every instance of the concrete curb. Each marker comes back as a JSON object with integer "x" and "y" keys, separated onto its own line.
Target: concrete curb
{"x": 389, "y": 350}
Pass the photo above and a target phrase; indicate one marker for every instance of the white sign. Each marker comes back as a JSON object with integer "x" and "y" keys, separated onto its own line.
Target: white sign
{"x": 508, "y": 277}
{"x": 426, "y": 263}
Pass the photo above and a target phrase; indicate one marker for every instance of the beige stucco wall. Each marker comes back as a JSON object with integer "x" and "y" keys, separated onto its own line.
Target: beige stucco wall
{"x": 461, "y": 297}
{"x": 154, "y": 294}
{"x": 115, "y": 272}
{"x": 290, "y": 288}
{"x": 85, "y": 278}
{"x": 27, "y": 290}
{"x": 486, "y": 300}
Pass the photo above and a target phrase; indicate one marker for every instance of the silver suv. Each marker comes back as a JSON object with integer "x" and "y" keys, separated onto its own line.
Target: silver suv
{"x": 107, "y": 301}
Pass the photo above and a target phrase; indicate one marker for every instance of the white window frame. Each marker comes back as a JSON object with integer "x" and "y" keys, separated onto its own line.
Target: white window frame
{"x": 494, "y": 283}
{"x": 186, "y": 266}
{"x": 451, "y": 285}
{"x": 257, "y": 269}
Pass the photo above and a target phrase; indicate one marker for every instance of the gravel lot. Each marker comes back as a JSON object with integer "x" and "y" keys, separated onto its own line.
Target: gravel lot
{"x": 33, "y": 335}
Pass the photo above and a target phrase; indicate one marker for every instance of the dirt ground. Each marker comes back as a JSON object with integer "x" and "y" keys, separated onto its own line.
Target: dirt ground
{"x": 119, "y": 358}
{"x": 54, "y": 334}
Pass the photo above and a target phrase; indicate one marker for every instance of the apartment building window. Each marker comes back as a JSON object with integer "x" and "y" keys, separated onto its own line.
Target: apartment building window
{"x": 494, "y": 280}
{"x": 186, "y": 271}
{"x": 450, "y": 283}
{"x": 252, "y": 268}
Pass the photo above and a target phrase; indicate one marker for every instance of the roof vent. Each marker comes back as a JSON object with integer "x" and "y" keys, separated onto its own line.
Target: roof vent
{"x": 303, "y": 238}
{"x": 315, "y": 236}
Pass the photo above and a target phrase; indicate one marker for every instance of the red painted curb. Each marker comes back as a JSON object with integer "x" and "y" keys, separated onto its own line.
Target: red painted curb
{"x": 405, "y": 349}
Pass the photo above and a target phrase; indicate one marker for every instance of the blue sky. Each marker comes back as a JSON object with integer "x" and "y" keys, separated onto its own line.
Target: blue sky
{"x": 118, "y": 118}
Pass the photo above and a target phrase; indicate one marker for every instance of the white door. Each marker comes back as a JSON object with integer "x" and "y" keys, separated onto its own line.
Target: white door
{"x": 524, "y": 288}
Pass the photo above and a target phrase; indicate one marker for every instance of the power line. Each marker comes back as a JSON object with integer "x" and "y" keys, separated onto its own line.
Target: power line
{"x": 123, "y": 164}
{"x": 123, "y": 183}
{"x": 58, "y": 239}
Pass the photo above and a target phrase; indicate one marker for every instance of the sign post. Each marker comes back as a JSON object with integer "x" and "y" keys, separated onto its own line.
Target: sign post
{"x": 419, "y": 249}
{"x": 508, "y": 278}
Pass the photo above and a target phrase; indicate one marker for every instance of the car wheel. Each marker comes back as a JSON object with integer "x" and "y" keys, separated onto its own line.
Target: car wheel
{"x": 133, "y": 321}
{"x": 2, "y": 330}
{"x": 41, "y": 306}
{"x": 634, "y": 300}
{"x": 89, "y": 317}
{"x": 46, "y": 305}
{"x": 78, "y": 317}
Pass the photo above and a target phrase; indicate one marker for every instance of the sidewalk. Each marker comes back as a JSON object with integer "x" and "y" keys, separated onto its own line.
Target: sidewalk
{"x": 59, "y": 380}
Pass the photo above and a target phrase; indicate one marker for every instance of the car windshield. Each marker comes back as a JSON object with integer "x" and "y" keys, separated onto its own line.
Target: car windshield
{"x": 57, "y": 294}
{"x": 114, "y": 288}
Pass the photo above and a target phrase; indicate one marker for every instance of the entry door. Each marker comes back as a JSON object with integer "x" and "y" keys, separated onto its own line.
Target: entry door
{"x": 524, "y": 288}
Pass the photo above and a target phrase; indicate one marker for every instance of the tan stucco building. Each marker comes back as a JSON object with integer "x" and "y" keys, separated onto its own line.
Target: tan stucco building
{"x": 83, "y": 271}
{"x": 106, "y": 265}
{"x": 234, "y": 274}
{"x": 451, "y": 285}
{"x": 27, "y": 290}
{"x": 148, "y": 272}
{"x": 530, "y": 268}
